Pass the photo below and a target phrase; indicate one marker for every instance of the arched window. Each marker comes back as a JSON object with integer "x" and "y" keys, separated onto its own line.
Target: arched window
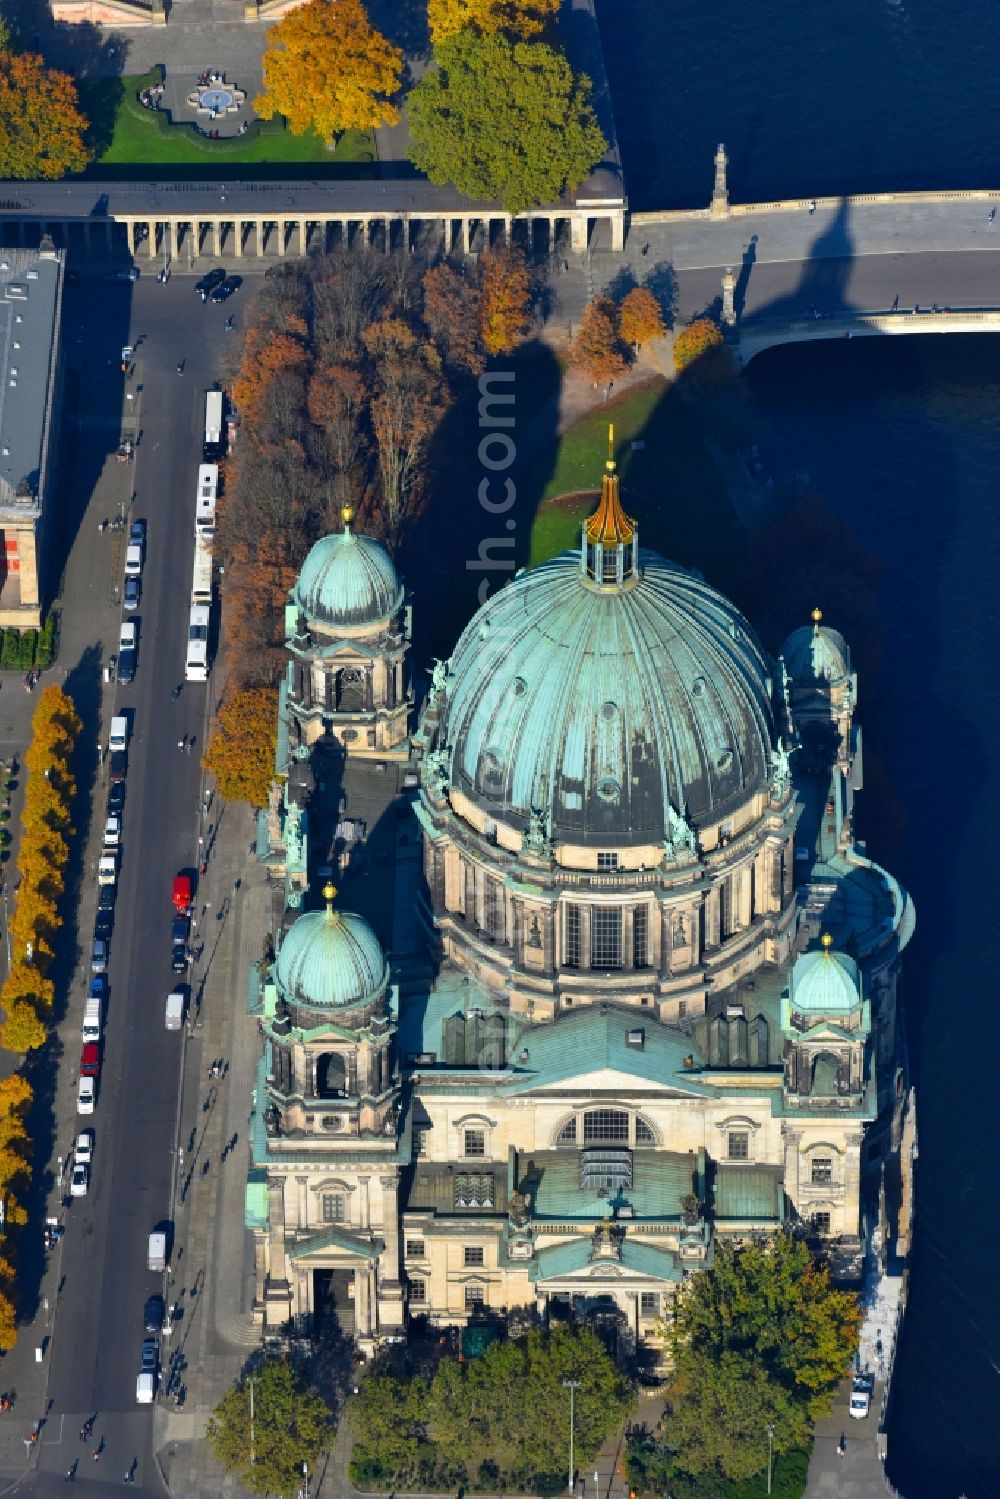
{"x": 567, "y": 1135}
{"x": 643, "y": 1133}
{"x": 331, "y": 1075}
{"x": 824, "y": 1075}
{"x": 605, "y": 1126}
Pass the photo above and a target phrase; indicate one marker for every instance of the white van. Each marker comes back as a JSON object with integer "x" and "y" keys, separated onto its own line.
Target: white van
{"x": 156, "y": 1253}
{"x": 145, "y": 1386}
{"x": 133, "y": 560}
{"x": 91, "y": 1021}
{"x": 107, "y": 869}
{"x": 118, "y": 737}
{"x": 173, "y": 1017}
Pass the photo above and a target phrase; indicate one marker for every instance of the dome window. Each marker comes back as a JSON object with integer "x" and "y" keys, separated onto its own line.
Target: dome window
{"x": 698, "y": 686}
{"x": 608, "y": 789}
{"x": 493, "y": 765}
{"x": 520, "y": 686}
{"x": 724, "y": 760}
{"x": 610, "y": 710}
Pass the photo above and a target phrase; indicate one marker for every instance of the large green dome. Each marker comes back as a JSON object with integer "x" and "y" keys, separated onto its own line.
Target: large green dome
{"x": 331, "y": 960}
{"x": 348, "y": 580}
{"x": 604, "y": 707}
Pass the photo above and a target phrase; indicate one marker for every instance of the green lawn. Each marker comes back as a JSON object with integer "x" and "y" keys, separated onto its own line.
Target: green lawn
{"x": 124, "y": 133}
{"x": 671, "y": 486}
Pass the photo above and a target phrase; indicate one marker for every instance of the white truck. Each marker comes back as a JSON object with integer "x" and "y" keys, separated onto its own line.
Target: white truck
{"x": 133, "y": 559}
{"x": 173, "y": 1017}
{"x": 156, "y": 1254}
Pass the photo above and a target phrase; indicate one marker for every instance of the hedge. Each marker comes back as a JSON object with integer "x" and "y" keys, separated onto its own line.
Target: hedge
{"x": 23, "y": 650}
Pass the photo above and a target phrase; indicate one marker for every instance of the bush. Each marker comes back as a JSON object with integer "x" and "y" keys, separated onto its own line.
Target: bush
{"x": 29, "y": 641}
{"x": 10, "y": 651}
{"x": 45, "y": 648}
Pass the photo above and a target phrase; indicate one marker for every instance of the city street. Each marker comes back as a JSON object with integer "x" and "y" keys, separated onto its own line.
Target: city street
{"x": 96, "y": 1324}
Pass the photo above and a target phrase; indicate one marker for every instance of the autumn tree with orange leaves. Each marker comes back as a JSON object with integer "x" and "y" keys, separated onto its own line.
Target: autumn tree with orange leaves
{"x": 505, "y": 299}
{"x": 42, "y": 128}
{"x": 640, "y": 319}
{"x": 597, "y": 348}
{"x": 407, "y": 405}
{"x": 327, "y": 69}
{"x": 519, "y": 17}
{"x": 241, "y": 750}
{"x": 452, "y": 315}
{"x": 695, "y": 341}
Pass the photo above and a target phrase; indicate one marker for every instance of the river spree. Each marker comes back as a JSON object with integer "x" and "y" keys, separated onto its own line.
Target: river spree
{"x": 810, "y": 99}
{"x": 902, "y": 439}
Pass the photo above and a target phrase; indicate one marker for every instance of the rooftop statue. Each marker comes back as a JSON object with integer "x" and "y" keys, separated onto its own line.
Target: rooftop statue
{"x": 781, "y": 772}
{"x": 680, "y": 835}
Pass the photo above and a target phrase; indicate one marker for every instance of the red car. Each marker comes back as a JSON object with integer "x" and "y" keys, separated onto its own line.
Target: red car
{"x": 182, "y": 894}
{"x": 90, "y": 1060}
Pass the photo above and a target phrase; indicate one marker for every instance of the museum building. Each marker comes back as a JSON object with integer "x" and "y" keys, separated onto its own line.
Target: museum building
{"x": 661, "y": 1003}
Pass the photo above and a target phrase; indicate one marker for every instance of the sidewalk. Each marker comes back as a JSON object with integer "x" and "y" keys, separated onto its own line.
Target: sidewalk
{"x": 211, "y": 1264}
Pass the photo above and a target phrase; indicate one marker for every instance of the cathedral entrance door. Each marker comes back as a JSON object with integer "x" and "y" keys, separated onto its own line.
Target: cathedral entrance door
{"x": 333, "y": 1301}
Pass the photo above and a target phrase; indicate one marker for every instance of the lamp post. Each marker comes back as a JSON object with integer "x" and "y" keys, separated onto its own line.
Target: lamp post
{"x": 572, "y": 1385}
{"x": 770, "y": 1450}
{"x": 597, "y": 1484}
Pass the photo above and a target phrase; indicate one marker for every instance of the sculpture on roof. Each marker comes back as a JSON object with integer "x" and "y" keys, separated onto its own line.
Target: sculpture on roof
{"x": 680, "y": 835}
{"x": 436, "y": 772}
{"x": 536, "y": 839}
{"x": 781, "y": 772}
{"x": 439, "y": 677}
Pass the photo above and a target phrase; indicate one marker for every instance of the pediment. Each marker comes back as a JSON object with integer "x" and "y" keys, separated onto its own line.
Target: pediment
{"x": 617, "y": 1082}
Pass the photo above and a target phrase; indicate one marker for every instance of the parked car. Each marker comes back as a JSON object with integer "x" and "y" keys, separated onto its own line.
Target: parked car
{"x": 98, "y": 988}
{"x": 117, "y": 765}
{"x": 126, "y": 668}
{"x": 861, "y": 1397}
{"x": 104, "y": 925}
{"x": 153, "y": 1314}
{"x": 180, "y": 926}
{"x": 125, "y": 273}
{"x": 137, "y": 533}
{"x": 179, "y": 957}
{"x": 90, "y": 1060}
{"x": 112, "y": 831}
{"x": 209, "y": 282}
{"x": 182, "y": 894}
{"x": 80, "y": 1180}
{"x": 86, "y": 1094}
{"x": 106, "y": 898}
{"x": 99, "y": 954}
{"x": 83, "y": 1155}
{"x": 225, "y": 290}
{"x": 107, "y": 869}
{"x": 134, "y": 558}
{"x": 132, "y": 593}
{"x": 116, "y": 798}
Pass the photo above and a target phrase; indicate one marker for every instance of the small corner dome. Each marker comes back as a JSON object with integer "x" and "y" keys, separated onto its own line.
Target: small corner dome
{"x": 348, "y": 580}
{"x": 816, "y": 653}
{"x": 331, "y": 960}
{"x": 825, "y": 983}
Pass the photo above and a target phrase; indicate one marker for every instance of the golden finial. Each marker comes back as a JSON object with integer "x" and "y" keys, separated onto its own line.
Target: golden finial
{"x": 826, "y": 942}
{"x": 609, "y": 524}
{"x": 329, "y": 895}
{"x": 817, "y": 616}
{"x": 347, "y": 515}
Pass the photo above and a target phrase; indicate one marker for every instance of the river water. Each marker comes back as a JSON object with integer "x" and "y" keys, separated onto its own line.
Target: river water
{"x": 902, "y": 439}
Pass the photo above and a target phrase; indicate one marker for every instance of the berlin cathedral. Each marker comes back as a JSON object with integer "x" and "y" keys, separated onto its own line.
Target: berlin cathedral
{"x": 627, "y": 985}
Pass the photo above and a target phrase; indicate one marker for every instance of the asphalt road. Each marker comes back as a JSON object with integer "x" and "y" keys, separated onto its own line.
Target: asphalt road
{"x": 98, "y": 1331}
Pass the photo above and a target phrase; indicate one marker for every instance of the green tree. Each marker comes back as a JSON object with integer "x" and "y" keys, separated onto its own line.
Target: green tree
{"x": 718, "y": 1412}
{"x": 502, "y": 118}
{"x": 387, "y": 1420}
{"x": 291, "y": 1425}
{"x": 41, "y": 125}
{"x": 768, "y": 1302}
